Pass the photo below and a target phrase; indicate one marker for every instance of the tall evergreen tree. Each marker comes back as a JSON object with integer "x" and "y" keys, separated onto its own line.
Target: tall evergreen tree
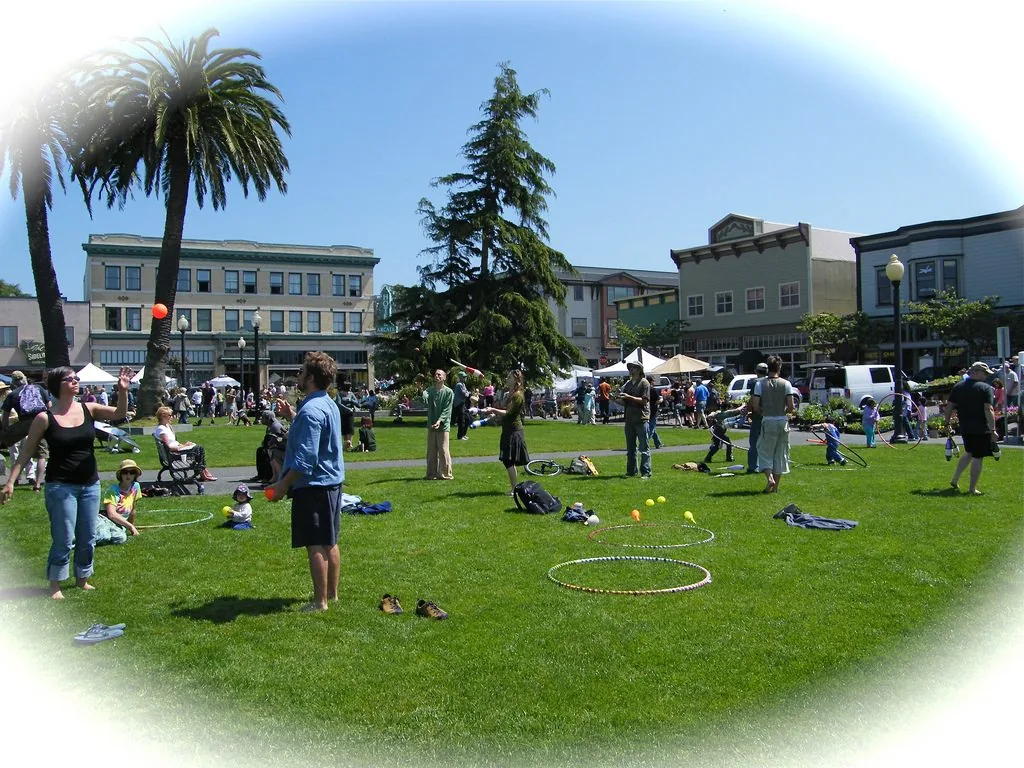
{"x": 482, "y": 297}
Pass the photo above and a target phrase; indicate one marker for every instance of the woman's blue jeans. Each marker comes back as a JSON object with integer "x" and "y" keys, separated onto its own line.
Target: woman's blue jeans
{"x": 73, "y": 511}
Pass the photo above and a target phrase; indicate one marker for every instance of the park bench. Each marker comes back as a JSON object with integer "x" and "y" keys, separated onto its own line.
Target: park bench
{"x": 181, "y": 468}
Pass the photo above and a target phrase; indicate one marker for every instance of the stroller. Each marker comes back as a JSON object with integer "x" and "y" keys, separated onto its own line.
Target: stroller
{"x": 114, "y": 440}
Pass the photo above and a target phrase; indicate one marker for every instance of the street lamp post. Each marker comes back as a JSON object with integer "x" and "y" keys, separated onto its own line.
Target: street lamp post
{"x": 894, "y": 271}
{"x": 183, "y": 327}
{"x": 241, "y": 361}
{"x": 257, "y": 321}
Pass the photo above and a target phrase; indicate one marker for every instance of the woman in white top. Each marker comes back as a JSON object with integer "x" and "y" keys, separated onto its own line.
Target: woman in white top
{"x": 165, "y": 435}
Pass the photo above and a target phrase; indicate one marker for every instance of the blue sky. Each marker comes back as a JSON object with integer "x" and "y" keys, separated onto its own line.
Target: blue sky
{"x": 661, "y": 119}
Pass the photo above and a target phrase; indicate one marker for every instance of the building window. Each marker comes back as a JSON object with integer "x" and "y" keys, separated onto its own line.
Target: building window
{"x": 355, "y": 286}
{"x": 695, "y": 305}
{"x": 276, "y": 321}
{"x": 249, "y": 282}
{"x": 133, "y": 278}
{"x": 184, "y": 281}
{"x": 579, "y": 326}
{"x": 69, "y": 335}
{"x": 883, "y": 288}
{"x": 277, "y": 283}
{"x": 112, "y": 278}
{"x": 247, "y": 315}
{"x": 338, "y": 321}
{"x": 204, "y": 281}
{"x": 313, "y": 322}
{"x": 723, "y": 303}
{"x": 230, "y": 320}
{"x": 613, "y": 328}
{"x": 355, "y": 322}
{"x": 619, "y": 292}
{"x": 950, "y": 273}
{"x": 933, "y": 276}
{"x": 789, "y": 295}
{"x": 133, "y": 318}
{"x": 204, "y": 320}
{"x": 312, "y": 284}
{"x": 9, "y": 335}
{"x": 338, "y": 285}
{"x": 231, "y": 281}
{"x": 187, "y": 314}
{"x": 294, "y": 283}
{"x": 117, "y": 357}
{"x": 113, "y": 318}
{"x": 294, "y": 322}
{"x": 755, "y": 299}
{"x": 577, "y": 293}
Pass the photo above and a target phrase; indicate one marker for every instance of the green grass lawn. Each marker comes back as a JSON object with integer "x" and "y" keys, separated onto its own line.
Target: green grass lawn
{"x": 526, "y": 671}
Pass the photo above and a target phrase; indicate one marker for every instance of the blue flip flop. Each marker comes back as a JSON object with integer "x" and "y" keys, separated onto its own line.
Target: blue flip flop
{"x": 98, "y": 633}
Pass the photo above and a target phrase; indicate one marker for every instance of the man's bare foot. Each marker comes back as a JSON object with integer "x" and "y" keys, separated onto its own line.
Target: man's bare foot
{"x": 56, "y": 594}
{"x": 83, "y": 584}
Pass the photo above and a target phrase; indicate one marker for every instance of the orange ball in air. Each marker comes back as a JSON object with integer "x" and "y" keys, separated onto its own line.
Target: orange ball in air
{"x": 159, "y": 311}
{"x": 269, "y": 493}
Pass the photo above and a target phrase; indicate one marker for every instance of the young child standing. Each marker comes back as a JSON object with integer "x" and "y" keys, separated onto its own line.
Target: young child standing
{"x": 869, "y": 420}
{"x": 367, "y": 440}
{"x": 117, "y": 515}
{"x": 719, "y": 430}
{"x": 832, "y": 455}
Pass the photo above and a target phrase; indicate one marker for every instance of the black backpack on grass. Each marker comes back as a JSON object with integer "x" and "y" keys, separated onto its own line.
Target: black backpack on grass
{"x": 530, "y": 497}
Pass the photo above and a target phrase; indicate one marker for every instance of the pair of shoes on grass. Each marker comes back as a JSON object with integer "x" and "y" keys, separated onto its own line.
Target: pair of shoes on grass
{"x": 390, "y": 604}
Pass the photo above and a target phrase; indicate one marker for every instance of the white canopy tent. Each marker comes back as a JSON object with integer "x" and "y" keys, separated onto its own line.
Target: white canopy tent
{"x": 569, "y": 384}
{"x": 137, "y": 378}
{"x": 92, "y": 376}
{"x": 650, "y": 362}
{"x": 224, "y": 381}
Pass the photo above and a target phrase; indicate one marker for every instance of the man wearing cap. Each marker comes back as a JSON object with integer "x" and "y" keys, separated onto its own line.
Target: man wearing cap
{"x": 973, "y": 400}
{"x": 755, "y": 424}
{"x": 635, "y": 397}
{"x": 460, "y": 401}
{"x": 275, "y": 440}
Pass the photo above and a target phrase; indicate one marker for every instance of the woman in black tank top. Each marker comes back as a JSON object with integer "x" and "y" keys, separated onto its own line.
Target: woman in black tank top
{"x": 72, "y": 482}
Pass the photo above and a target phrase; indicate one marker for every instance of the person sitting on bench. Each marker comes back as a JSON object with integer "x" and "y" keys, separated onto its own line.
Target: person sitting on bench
{"x": 165, "y": 435}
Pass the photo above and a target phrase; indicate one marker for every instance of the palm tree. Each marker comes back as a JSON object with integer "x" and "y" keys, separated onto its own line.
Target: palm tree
{"x": 34, "y": 147}
{"x": 191, "y": 117}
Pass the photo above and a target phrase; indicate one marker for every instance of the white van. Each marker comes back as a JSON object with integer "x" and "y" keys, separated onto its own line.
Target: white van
{"x": 741, "y": 387}
{"x": 855, "y": 383}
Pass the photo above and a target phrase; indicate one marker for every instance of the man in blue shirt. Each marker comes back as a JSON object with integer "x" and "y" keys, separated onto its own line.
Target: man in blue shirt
{"x": 312, "y": 476}
{"x": 701, "y": 393}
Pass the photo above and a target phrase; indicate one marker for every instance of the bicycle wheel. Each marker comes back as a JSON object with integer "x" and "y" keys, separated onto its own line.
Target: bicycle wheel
{"x": 543, "y": 468}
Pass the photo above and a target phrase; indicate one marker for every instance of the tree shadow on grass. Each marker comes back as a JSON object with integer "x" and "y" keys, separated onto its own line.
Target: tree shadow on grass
{"x": 15, "y": 593}
{"x": 221, "y": 610}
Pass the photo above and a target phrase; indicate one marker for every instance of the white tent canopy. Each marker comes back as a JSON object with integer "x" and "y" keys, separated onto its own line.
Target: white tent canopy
{"x": 92, "y": 376}
{"x": 137, "y": 378}
{"x": 569, "y": 384}
{"x": 224, "y": 381}
{"x": 650, "y": 362}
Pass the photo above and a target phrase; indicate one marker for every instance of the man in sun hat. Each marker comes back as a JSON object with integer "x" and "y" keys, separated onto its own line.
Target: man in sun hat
{"x": 635, "y": 397}
{"x": 973, "y": 400}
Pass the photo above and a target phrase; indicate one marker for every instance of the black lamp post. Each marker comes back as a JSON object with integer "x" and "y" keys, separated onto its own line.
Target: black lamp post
{"x": 894, "y": 271}
{"x": 183, "y": 327}
{"x": 241, "y": 361}
{"x": 257, "y": 321}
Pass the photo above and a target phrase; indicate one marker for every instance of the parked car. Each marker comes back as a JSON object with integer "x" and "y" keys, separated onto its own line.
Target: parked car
{"x": 740, "y": 387}
{"x": 803, "y": 386}
{"x": 855, "y": 383}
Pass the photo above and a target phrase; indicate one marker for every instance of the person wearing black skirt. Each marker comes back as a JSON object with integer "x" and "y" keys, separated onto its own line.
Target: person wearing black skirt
{"x": 512, "y": 447}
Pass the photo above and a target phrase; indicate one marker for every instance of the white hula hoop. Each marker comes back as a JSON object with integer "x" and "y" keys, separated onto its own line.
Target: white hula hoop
{"x": 209, "y": 516}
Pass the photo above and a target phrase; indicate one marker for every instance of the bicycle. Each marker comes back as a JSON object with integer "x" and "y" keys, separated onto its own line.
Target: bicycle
{"x": 549, "y": 468}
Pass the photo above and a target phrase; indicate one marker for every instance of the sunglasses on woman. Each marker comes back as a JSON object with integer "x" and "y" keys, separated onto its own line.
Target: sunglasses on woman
{"x": 71, "y": 379}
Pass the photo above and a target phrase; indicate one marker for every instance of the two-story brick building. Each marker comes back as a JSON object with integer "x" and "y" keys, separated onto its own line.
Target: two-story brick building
{"x": 307, "y": 298}
{"x": 748, "y": 288}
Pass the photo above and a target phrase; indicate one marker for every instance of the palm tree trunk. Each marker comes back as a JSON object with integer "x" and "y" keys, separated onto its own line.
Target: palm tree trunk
{"x": 152, "y": 391}
{"x": 51, "y": 305}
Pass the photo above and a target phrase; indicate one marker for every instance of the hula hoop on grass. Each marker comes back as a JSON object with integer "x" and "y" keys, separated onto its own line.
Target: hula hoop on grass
{"x": 852, "y": 455}
{"x": 209, "y": 516}
{"x": 593, "y": 536}
{"x": 631, "y": 592}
